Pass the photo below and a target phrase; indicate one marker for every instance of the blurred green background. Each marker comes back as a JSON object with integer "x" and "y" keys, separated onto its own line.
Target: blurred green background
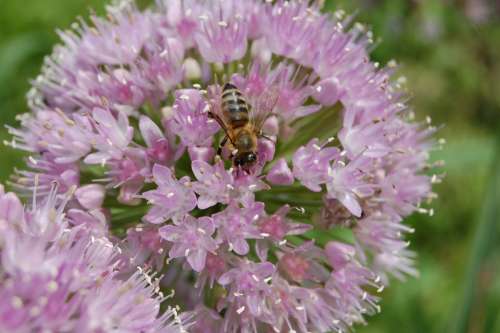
{"x": 450, "y": 52}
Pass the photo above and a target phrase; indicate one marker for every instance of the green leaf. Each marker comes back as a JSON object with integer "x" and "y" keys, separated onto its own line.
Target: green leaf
{"x": 483, "y": 241}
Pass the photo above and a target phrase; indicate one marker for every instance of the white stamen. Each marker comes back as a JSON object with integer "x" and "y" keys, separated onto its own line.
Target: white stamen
{"x": 422, "y": 210}
{"x": 392, "y": 63}
{"x": 302, "y": 210}
{"x": 52, "y": 286}
{"x": 17, "y": 302}
{"x": 339, "y": 14}
{"x": 35, "y": 311}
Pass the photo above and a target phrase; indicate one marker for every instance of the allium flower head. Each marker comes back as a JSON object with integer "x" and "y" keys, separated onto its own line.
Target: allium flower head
{"x": 126, "y": 119}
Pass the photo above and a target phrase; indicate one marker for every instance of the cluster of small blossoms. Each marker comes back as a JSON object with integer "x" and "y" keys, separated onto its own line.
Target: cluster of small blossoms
{"x": 303, "y": 241}
{"x": 58, "y": 278}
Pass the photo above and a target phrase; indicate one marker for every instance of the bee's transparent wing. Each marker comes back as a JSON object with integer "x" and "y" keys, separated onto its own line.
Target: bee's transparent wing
{"x": 263, "y": 107}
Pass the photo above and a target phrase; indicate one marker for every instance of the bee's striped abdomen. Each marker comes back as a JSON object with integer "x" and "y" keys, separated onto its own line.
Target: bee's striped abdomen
{"x": 234, "y": 106}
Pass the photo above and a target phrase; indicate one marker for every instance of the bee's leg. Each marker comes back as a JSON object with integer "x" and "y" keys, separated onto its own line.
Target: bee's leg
{"x": 262, "y": 135}
{"x": 221, "y": 145}
{"x": 221, "y": 124}
{"x": 218, "y": 120}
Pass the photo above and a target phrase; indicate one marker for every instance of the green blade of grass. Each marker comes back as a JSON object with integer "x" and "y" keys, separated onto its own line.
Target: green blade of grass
{"x": 482, "y": 244}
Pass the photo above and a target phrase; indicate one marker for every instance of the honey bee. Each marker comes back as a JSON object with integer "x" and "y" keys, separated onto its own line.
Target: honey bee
{"x": 242, "y": 124}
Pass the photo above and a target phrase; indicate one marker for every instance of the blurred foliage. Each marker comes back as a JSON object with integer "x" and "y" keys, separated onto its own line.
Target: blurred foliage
{"x": 449, "y": 52}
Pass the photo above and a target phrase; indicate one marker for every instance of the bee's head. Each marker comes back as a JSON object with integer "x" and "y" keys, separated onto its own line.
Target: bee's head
{"x": 245, "y": 160}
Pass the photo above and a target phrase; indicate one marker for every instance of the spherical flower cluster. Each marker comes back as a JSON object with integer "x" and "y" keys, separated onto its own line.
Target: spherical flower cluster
{"x": 123, "y": 116}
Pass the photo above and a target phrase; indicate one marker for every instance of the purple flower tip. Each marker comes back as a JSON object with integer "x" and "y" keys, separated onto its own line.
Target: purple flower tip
{"x": 280, "y": 174}
{"x": 172, "y": 198}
